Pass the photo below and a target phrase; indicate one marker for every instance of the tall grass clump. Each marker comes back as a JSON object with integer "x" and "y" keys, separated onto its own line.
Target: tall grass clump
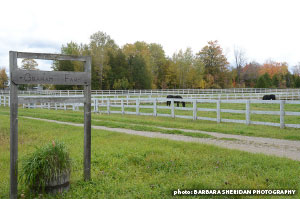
{"x": 45, "y": 164}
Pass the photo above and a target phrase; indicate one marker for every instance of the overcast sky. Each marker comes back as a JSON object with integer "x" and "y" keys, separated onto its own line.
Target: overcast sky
{"x": 265, "y": 29}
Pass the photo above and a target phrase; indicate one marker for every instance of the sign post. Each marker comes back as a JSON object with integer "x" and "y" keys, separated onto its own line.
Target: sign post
{"x": 18, "y": 76}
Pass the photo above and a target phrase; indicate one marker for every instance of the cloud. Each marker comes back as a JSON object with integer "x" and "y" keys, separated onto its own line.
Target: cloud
{"x": 265, "y": 29}
{"x": 40, "y": 44}
{"x": 27, "y": 44}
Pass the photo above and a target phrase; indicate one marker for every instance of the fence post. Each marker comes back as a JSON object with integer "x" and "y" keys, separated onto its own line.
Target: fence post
{"x": 173, "y": 109}
{"x": 97, "y": 105}
{"x": 4, "y": 101}
{"x": 108, "y": 105}
{"x": 248, "y": 112}
{"x": 122, "y": 106}
{"x": 282, "y": 113}
{"x": 218, "y": 111}
{"x": 195, "y": 109}
{"x": 94, "y": 105}
{"x": 155, "y": 107}
{"x": 137, "y": 101}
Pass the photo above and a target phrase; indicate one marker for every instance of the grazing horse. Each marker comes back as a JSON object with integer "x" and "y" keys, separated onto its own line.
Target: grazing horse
{"x": 175, "y": 97}
{"x": 169, "y": 102}
{"x": 269, "y": 97}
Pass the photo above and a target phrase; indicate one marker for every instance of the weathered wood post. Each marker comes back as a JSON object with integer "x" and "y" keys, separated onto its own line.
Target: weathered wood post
{"x": 87, "y": 122}
{"x": 13, "y": 128}
{"x": 282, "y": 113}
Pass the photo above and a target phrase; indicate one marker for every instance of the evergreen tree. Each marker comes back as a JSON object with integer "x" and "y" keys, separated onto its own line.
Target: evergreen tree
{"x": 261, "y": 82}
{"x": 275, "y": 81}
{"x": 297, "y": 81}
{"x": 139, "y": 74}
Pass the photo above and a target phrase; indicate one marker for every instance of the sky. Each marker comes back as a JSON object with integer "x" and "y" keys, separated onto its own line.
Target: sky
{"x": 264, "y": 29}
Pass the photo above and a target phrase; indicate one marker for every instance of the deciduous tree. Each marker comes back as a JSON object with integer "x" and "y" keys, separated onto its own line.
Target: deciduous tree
{"x": 272, "y": 68}
{"x": 3, "y": 78}
{"x": 100, "y": 44}
{"x": 29, "y": 64}
{"x": 240, "y": 61}
{"x": 250, "y": 73}
{"x": 296, "y": 69}
{"x": 215, "y": 62}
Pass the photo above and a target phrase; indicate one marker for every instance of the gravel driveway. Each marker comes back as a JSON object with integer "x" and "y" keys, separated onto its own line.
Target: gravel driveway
{"x": 270, "y": 146}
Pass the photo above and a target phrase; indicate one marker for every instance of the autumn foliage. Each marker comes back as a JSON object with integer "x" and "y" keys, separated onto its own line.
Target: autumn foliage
{"x": 141, "y": 65}
{"x": 273, "y": 68}
{"x": 3, "y": 78}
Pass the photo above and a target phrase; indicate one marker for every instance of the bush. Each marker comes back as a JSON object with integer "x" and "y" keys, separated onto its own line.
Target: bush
{"x": 44, "y": 164}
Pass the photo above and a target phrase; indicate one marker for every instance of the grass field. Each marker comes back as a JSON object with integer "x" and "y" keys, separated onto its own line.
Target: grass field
{"x": 125, "y": 166}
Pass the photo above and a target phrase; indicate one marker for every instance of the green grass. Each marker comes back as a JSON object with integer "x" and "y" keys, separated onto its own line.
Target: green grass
{"x": 126, "y": 166}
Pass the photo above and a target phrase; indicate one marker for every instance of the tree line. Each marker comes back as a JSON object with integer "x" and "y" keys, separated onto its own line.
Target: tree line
{"x": 145, "y": 66}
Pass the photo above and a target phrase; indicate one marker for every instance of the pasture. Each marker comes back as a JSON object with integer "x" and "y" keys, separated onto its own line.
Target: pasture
{"x": 127, "y": 166}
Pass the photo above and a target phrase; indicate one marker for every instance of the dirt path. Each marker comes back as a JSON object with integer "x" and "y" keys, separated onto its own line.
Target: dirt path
{"x": 269, "y": 146}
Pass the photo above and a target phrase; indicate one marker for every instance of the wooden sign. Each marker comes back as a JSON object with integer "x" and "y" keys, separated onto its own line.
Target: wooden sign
{"x": 47, "y": 77}
{"x": 50, "y": 77}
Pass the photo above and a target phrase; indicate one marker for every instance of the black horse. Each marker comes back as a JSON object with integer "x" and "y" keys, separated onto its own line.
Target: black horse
{"x": 175, "y": 97}
{"x": 269, "y": 97}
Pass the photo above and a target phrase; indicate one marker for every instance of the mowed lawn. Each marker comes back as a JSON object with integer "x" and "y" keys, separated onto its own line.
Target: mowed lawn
{"x": 126, "y": 166}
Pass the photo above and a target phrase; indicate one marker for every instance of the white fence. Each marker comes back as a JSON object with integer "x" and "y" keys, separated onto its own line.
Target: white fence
{"x": 194, "y": 110}
{"x": 105, "y": 105}
{"x": 158, "y": 91}
{"x": 280, "y": 95}
{"x": 4, "y": 100}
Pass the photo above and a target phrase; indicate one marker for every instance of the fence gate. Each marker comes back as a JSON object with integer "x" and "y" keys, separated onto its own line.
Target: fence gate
{"x": 18, "y": 76}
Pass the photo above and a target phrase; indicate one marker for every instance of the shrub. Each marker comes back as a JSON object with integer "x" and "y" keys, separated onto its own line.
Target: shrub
{"x": 44, "y": 164}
